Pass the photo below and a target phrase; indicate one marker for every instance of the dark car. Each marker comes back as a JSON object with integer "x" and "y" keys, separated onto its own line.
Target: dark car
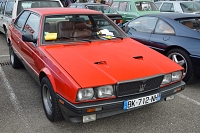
{"x": 106, "y": 9}
{"x": 174, "y": 35}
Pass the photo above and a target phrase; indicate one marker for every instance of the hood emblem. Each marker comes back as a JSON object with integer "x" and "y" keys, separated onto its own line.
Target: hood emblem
{"x": 142, "y": 86}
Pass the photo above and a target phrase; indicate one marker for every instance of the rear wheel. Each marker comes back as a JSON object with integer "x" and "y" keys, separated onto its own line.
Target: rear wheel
{"x": 6, "y": 35}
{"x": 182, "y": 58}
{"x": 49, "y": 101}
{"x": 15, "y": 62}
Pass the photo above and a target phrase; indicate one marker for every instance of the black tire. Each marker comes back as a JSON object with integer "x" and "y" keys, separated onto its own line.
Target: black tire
{"x": 50, "y": 102}
{"x": 6, "y": 35}
{"x": 15, "y": 62}
{"x": 182, "y": 58}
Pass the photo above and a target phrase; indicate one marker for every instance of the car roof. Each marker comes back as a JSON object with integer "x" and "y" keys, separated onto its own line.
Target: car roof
{"x": 173, "y": 15}
{"x": 88, "y": 4}
{"x": 173, "y": 1}
{"x": 61, "y": 10}
{"x": 136, "y": 0}
{"x": 28, "y": 0}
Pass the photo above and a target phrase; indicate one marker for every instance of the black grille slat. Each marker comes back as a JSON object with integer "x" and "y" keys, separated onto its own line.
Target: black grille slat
{"x": 133, "y": 87}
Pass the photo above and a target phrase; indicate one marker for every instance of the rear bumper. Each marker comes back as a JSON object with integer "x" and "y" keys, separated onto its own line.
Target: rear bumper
{"x": 75, "y": 112}
{"x": 196, "y": 64}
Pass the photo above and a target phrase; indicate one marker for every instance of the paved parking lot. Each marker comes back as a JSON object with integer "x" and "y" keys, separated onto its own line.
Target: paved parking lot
{"x": 22, "y": 111}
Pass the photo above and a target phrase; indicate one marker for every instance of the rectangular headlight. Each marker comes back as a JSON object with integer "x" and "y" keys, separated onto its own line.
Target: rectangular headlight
{"x": 167, "y": 79}
{"x": 104, "y": 91}
{"x": 85, "y": 94}
{"x": 176, "y": 75}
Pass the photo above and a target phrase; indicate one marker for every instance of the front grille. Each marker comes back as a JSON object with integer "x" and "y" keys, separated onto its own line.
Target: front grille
{"x": 139, "y": 86}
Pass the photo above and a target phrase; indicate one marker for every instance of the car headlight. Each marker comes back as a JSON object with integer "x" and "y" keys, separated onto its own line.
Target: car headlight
{"x": 167, "y": 79}
{"x": 172, "y": 77}
{"x": 104, "y": 91}
{"x": 96, "y": 93}
{"x": 176, "y": 75}
{"x": 85, "y": 94}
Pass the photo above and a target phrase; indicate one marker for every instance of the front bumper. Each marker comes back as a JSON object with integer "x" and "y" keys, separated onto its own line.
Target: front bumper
{"x": 75, "y": 112}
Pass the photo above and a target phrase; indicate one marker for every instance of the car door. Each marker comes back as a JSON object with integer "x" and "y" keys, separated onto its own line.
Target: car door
{"x": 29, "y": 49}
{"x": 162, "y": 36}
{"x": 140, "y": 29}
{"x": 26, "y": 23}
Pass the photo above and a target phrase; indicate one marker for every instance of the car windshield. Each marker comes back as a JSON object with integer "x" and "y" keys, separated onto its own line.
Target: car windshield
{"x": 72, "y": 28}
{"x": 146, "y": 6}
{"x": 36, "y": 4}
{"x": 190, "y": 7}
{"x": 102, "y": 8}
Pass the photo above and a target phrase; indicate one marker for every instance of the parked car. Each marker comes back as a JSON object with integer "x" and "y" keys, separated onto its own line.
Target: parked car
{"x": 87, "y": 67}
{"x": 130, "y": 9}
{"x": 174, "y": 35}
{"x": 106, "y": 9}
{"x": 188, "y": 7}
{"x": 9, "y": 9}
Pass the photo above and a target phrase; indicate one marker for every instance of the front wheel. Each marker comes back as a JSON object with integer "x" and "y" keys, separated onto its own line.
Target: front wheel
{"x": 182, "y": 58}
{"x": 49, "y": 101}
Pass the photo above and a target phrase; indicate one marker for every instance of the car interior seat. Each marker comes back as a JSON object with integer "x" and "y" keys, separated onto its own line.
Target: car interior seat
{"x": 65, "y": 29}
{"x": 81, "y": 31}
{"x": 188, "y": 24}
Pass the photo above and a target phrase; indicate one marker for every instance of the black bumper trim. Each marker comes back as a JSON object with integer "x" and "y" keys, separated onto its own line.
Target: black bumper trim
{"x": 74, "y": 112}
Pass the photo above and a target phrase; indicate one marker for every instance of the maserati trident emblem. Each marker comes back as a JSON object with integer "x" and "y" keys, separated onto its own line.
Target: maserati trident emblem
{"x": 142, "y": 86}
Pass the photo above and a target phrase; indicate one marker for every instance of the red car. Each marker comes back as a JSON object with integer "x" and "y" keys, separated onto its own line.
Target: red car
{"x": 87, "y": 67}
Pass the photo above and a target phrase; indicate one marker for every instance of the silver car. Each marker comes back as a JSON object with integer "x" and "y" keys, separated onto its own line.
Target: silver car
{"x": 188, "y": 7}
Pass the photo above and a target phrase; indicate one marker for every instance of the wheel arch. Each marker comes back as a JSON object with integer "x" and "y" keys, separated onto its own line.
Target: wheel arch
{"x": 175, "y": 47}
{"x": 46, "y": 73}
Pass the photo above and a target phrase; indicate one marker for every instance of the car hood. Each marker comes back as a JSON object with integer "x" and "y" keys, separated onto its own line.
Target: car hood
{"x": 110, "y": 61}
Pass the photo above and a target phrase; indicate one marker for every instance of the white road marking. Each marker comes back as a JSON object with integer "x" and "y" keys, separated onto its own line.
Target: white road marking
{"x": 189, "y": 99}
{"x": 4, "y": 55}
{"x": 14, "y": 101}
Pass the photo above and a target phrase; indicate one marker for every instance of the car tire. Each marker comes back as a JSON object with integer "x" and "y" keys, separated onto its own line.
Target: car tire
{"x": 50, "y": 102}
{"x": 14, "y": 60}
{"x": 6, "y": 35}
{"x": 182, "y": 58}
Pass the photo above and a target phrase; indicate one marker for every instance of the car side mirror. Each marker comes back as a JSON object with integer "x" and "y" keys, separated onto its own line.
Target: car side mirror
{"x": 29, "y": 38}
{"x": 126, "y": 29}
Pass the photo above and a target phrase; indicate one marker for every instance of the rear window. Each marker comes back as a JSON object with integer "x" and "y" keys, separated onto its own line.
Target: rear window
{"x": 36, "y": 4}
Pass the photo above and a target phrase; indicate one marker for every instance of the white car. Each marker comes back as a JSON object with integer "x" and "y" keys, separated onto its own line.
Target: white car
{"x": 188, "y": 7}
{"x": 9, "y": 9}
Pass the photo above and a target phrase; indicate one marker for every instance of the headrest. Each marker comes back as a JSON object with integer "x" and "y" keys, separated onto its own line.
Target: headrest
{"x": 46, "y": 26}
{"x": 65, "y": 25}
{"x": 80, "y": 25}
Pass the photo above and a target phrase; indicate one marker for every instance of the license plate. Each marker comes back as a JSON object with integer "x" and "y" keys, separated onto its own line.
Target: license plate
{"x": 128, "y": 104}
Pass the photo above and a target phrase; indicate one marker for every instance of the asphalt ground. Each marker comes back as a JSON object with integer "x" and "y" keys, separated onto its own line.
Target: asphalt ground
{"x": 21, "y": 109}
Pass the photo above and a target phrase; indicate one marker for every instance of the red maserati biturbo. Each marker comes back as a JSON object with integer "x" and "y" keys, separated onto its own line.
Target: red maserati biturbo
{"x": 87, "y": 67}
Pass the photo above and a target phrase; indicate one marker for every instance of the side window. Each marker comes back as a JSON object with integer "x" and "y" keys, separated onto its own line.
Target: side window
{"x": 164, "y": 28}
{"x": 79, "y": 6}
{"x": 158, "y": 4}
{"x": 32, "y": 25}
{"x": 72, "y": 6}
{"x": 123, "y": 6}
{"x": 9, "y": 8}
{"x": 2, "y": 7}
{"x": 167, "y": 7}
{"x": 129, "y": 7}
{"x": 143, "y": 24}
{"x": 20, "y": 21}
{"x": 115, "y": 5}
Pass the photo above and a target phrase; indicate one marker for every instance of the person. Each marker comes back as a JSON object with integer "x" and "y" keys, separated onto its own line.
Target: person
{"x": 68, "y": 2}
